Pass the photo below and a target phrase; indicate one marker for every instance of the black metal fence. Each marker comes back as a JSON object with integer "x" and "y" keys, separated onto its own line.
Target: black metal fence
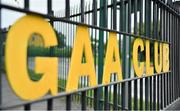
{"x": 154, "y": 20}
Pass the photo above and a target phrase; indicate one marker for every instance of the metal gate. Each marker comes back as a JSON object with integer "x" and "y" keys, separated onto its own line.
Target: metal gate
{"x": 154, "y": 20}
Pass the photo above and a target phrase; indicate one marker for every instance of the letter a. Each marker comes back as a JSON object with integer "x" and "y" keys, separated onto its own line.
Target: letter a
{"x": 77, "y": 68}
{"x": 111, "y": 65}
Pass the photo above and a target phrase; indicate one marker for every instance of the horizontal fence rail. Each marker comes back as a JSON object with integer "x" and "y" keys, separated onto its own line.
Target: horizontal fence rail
{"x": 154, "y": 20}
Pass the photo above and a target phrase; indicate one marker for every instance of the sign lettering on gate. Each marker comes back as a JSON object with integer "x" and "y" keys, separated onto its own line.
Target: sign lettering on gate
{"x": 17, "y": 69}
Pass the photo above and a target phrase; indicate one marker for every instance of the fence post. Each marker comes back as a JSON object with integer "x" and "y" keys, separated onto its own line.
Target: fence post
{"x": 125, "y": 54}
{"x": 129, "y": 64}
{"x": 147, "y": 33}
{"x": 103, "y": 22}
{"x": 135, "y": 81}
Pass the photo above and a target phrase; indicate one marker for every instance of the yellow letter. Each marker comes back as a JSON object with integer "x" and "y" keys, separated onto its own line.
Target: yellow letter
{"x": 78, "y": 69}
{"x": 111, "y": 65}
{"x": 138, "y": 69}
{"x": 165, "y": 57}
{"x": 149, "y": 69}
{"x": 16, "y": 58}
{"x": 158, "y": 58}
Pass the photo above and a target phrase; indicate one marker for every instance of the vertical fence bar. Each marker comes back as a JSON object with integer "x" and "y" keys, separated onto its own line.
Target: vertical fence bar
{"x": 135, "y": 95}
{"x": 95, "y": 99}
{"x": 163, "y": 85}
{"x": 94, "y": 22}
{"x": 68, "y": 102}
{"x": 174, "y": 60}
{"x": 83, "y": 100}
{"x": 158, "y": 92}
{"x": 27, "y": 107}
{"x": 167, "y": 76}
{"x": 175, "y": 54}
{"x": 158, "y": 38}
{"x": 114, "y": 27}
{"x": 125, "y": 53}
{"x": 171, "y": 47}
{"x": 1, "y": 55}
{"x": 119, "y": 96}
{"x": 161, "y": 105}
{"x": 50, "y": 104}
{"x": 26, "y": 4}
{"x": 114, "y": 14}
{"x": 141, "y": 33}
{"x": 49, "y": 11}
{"x": 147, "y": 33}
{"x": 67, "y": 9}
{"x": 178, "y": 34}
{"x": 89, "y": 17}
{"x": 115, "y": 105}
{"x": 135, "y": 81}
{"x": 106, "y": 105}
{"x": 105, "y": 17}
{"x": 103, "y": 23}
{"x": 170, "y": 54}
{"x": 150, "y": 36}
{"x": 135, "y": 16}
{"x": 82, "y": 11}
{"x": 49, "y": 6}
{"x": 154, "y": 93}
{"x": 150, "y": 92}
{"x": 122, "y": 97}
{"x": 164, "y": 35}
{"x": 168, "y": 81}
{"x": 177, "y": 57}
{"x": 94, "y": 12}
{"x": 130, "y": 82}
{"x": 141, "y": 28}
{"x": 171, "y": 74}
{"x": 173, "y": 57}
{"x": 155, "y": 37}
{"x": 129, "y": 95}
{"x": 161, "y": 76}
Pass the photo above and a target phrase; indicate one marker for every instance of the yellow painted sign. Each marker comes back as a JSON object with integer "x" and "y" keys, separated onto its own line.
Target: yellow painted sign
{"x": 77, "y": 69}
{"x": 112, "y": 60}
{"x": 16, "y": 58}
{"x": 24, "y": 87}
